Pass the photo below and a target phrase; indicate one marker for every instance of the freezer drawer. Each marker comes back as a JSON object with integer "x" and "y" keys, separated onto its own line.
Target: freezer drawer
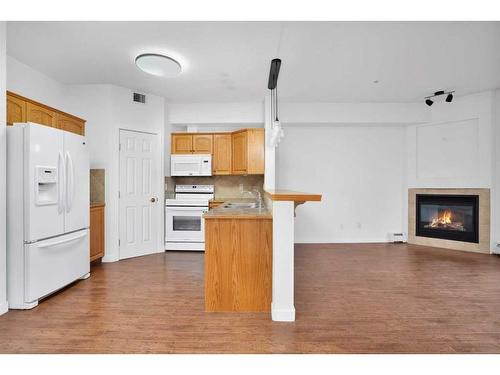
{"x": 54, "y": 263}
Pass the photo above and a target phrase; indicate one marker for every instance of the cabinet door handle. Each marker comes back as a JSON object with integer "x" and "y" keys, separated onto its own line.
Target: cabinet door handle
{"x": 153, "y": 200}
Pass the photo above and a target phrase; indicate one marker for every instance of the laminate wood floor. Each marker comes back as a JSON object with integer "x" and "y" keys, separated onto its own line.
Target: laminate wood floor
{"x": 350, "y": 298}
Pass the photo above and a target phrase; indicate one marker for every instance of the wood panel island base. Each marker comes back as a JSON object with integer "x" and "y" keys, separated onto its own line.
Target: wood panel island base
{"x": 249, "y": 256}
{"x": 238, "y": 260}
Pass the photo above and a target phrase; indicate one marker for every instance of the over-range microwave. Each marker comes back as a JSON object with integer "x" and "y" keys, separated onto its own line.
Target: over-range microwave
{"x": 191, "y": 165}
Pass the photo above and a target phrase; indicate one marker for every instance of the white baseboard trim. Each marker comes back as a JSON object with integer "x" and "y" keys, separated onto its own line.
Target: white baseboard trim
{"x": 283, "y": 315}
{"x": 4, "y": 307}
{"x": 348, "y": 241}
{"x": 110, "y": 258}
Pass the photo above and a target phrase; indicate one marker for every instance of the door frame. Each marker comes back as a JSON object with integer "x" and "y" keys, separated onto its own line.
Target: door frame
{"x": 159, "y": 213}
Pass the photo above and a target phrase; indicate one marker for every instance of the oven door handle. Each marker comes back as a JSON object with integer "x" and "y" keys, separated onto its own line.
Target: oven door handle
{"x": 186, "y": 208}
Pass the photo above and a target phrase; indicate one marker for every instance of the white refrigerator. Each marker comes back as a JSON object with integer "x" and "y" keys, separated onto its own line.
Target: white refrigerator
{"x": 47, "y": 212}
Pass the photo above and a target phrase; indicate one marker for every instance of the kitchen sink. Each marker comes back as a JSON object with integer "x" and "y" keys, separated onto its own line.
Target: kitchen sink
{"x": 241, "y": 205}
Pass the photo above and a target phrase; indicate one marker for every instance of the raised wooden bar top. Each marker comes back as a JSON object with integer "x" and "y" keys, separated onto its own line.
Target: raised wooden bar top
{"x": 290, "y": 195}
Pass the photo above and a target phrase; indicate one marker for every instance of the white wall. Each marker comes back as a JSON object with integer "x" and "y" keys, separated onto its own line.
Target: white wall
{"x": 216, "y": 113}
{"x": 360, "y": 172}
{"x": 28, "y": 82}
{"x": 3, "y": 222}
{"x": 456, "y": 148}
{"x": 352, "y": 113}
{"x": 496, "y": 181}
{"x": 107, "y": 109}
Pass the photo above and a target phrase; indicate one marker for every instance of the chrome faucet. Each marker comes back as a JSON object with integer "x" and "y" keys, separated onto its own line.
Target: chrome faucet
{"x": 257, "y": 195}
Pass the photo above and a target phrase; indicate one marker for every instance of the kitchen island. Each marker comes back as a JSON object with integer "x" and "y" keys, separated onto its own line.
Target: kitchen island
{"x": 238, "y": 257}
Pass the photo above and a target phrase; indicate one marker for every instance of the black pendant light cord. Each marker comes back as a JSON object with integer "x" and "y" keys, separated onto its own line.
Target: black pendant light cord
{"x": 276, "y": 104}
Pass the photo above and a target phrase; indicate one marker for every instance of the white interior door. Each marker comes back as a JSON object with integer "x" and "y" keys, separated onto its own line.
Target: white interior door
{"x": 139, "y": 205}
{"x": 77, "y": 182}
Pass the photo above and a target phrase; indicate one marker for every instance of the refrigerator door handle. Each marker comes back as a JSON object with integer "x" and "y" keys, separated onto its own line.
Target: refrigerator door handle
{"x": 61, "y": 182}
{"x": 61, "y": 242}
{"x": 70, "y": 184}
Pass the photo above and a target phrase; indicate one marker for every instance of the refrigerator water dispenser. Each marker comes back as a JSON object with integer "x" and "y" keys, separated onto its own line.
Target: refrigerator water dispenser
{"x": 46, "y": 185}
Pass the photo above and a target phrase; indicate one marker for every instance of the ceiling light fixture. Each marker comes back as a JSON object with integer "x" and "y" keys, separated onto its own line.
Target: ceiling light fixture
{"x": 158, "y": 65}
{"x": 449, "y": 97}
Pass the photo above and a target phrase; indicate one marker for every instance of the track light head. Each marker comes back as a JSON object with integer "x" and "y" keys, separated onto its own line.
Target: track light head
{"x": 449, "y": 97}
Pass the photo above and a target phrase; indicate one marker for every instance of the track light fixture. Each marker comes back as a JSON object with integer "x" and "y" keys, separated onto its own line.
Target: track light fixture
{"x": 449, "y": 97}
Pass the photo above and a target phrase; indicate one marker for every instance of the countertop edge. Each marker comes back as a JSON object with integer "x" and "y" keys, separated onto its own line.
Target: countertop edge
{"x": 290, "y": 195}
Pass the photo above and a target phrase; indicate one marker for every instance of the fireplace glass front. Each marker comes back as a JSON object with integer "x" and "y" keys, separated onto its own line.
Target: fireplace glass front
{"x": 450, "y": 217}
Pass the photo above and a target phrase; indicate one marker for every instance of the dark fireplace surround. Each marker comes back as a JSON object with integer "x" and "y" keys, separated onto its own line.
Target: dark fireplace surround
{"x": 449, "y": 217}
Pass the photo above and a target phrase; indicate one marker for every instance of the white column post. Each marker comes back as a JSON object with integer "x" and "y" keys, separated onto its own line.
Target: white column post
{"x": 282, "y": 307}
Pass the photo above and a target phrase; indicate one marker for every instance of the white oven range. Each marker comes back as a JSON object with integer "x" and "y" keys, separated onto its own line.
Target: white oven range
{"x": 184, "y": 224}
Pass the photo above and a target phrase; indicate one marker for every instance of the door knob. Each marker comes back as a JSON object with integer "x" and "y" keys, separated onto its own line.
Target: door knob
{"x": 153, "y": 200}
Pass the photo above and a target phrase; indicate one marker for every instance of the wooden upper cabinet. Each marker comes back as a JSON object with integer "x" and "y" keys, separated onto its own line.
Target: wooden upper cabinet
{"x": 256, "y": 147}
{"x": 40, "y": 115}
{"x": 221, "y": 161}
{"x": 70, "y": 124}
{"x": 181, "y": 143}
{"x": 21, "y": 109}
{"x": 237, "y": 153}
{"x": 16, "y": 110}
{"x": 191, "y": 143}
{"x": 240, "y": 152}
{"x": 248, "y": 151}
{"x": 202, "y": 143}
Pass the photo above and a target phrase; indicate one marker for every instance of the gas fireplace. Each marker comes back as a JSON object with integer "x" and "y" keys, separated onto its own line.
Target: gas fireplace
{"x": 450, "y": 217}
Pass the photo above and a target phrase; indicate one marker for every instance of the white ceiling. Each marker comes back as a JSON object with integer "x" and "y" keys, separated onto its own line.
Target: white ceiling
{"x": 229, "y": 61}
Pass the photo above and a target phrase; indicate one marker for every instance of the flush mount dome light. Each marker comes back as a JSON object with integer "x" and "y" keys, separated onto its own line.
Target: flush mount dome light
{"x": 158, "y": 65}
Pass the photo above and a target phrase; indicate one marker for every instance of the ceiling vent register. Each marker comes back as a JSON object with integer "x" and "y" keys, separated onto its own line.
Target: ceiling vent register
{"x": 139, "y": 98}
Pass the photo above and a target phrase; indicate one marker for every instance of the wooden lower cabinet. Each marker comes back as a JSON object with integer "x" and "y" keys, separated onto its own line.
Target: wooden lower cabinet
{"x": 238, "y": 264}
{"x": 96, "y": 231}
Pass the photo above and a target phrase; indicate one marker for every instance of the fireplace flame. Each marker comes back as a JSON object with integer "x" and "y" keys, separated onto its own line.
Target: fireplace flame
{"x": 444, "y": 219}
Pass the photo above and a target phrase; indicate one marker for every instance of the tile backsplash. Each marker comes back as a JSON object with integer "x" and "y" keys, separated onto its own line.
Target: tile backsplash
{"x": 97, "y": 186}
{"x": 225, "y": 186}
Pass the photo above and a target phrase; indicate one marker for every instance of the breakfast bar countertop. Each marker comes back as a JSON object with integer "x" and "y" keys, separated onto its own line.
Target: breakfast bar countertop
{"x": 225, "y": 212}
